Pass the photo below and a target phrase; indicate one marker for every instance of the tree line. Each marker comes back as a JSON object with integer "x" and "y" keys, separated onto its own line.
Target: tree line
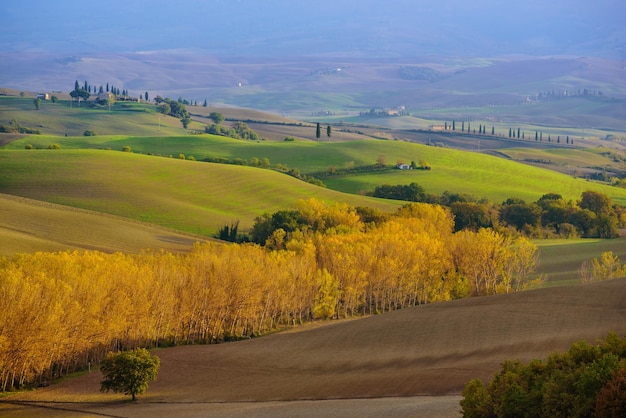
{"x": 65, "y": 310}
{"x": 593, "y": 216}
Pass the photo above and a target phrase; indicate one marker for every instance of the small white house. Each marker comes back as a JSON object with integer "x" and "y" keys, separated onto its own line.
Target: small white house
{"x": 43, "y": 96}
{"x": 403, "y": 166}
{"x": 105, "y": 96}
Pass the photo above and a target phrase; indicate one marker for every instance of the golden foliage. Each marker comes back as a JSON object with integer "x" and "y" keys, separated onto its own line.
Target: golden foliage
{"x": 62, "y": 311}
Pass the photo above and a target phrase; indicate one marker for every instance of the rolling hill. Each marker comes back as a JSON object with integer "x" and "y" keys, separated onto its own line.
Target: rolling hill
{"x": 429, "y": 350}
{"x": 28, "y": 226}
{"x": 183, "y": 195}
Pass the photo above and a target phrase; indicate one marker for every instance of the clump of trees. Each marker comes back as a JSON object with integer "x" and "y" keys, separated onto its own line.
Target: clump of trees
{"x": 80, "y": 92}
{"x": 412, "y": 192}
{"x": 239, "y": 130}
{"x": 584, "y": 381}
{"x": 63, "y": 310}
{"x": 593, "y": 216}
{"x": 607, "y": 267}
{"x": 174, "y": 108}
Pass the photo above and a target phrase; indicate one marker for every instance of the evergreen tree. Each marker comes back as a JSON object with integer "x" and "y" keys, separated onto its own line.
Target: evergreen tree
{"x": 328, "y": 131}
{"x": 318, "y": 131}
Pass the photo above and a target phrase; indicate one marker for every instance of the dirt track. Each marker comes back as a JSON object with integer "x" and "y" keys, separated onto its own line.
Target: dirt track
{"x": 379, "y": 363}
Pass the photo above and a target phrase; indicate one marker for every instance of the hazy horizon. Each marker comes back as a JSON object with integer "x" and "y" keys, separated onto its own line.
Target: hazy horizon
{"x": 272, "y": 28}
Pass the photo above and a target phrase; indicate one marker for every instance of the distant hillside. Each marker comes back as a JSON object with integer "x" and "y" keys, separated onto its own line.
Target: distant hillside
{"x": 561, "y": 91}
{"x": 429, "y": 350}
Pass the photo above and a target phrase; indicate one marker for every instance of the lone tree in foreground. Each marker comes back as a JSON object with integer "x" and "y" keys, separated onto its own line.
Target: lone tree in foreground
{"x": 129, "y": 372}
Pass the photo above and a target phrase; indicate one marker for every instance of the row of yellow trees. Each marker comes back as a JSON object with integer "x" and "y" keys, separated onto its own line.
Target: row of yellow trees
{"x": 63, "y": 311}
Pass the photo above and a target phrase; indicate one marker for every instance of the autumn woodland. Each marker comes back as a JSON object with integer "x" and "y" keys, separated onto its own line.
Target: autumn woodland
{"x": 64, "y": 311}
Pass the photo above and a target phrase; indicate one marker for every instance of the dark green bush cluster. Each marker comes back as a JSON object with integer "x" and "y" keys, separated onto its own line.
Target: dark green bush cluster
{"x": 16, "y": 127}
{"x": 239, "y": 130}
{"x": 410, "y": 192}
{"x": 584, "y": 381}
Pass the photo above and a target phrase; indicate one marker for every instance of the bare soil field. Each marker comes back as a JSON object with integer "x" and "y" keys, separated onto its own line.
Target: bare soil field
{"x": 413, "y": 362}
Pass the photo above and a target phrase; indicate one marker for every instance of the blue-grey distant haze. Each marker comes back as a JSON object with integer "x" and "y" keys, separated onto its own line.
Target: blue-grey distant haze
{"x": 371, "y": 28}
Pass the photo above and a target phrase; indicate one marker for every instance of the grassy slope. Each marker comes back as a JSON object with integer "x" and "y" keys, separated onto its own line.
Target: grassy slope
{"x": 61, "y": 119}
{"x": 28, "y": 226}
{"x": 560, "y": 260}
{"x": 184, "y": 195}
{"x": 433, "y": 349}
{"x": 455, "y": 171}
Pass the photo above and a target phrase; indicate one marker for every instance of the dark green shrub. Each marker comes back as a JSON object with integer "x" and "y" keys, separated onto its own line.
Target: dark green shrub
{"x": 584, "y": 381}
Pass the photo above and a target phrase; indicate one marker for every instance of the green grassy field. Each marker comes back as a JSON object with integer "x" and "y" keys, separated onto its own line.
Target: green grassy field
{"x": 560, "y": 260}
{"x": 452, "y": 170}
{"x": 28, "y": 226}
{"x": 184, "y": 195}
{"x": 64, "y": 118}
{"x": 455, "y": 171}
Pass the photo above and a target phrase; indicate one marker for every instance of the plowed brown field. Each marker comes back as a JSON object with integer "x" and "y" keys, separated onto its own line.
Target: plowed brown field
{"x": 413, "y": 362}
